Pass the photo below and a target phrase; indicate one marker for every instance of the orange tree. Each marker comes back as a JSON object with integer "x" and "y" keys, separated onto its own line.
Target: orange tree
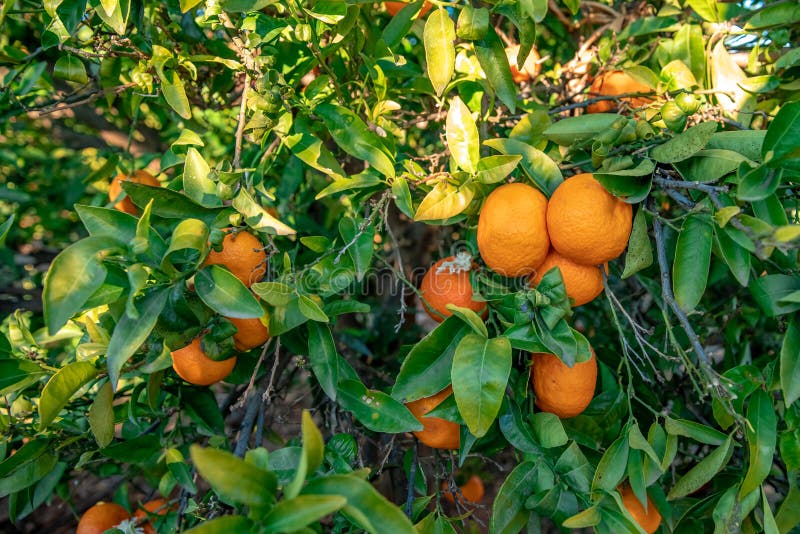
{"x": 308, "y": 158}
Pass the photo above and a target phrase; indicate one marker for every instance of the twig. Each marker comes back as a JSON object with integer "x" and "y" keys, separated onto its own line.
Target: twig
{"x": 237, "y": 151}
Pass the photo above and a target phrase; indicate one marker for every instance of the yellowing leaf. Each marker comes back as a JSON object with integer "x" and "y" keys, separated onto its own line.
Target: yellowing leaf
{"x": 444, "y": 201}
{"x": 462, "y": 135}
{"x": 726, "y": 76}
{"x": 440, "y": 54}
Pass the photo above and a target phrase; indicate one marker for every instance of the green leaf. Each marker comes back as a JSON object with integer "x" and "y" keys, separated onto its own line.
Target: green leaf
{"x": 686, "y": 144}
{"x": 310, "y": 457}
{"x": 492, "y": 58}
{"x": 761, "y": 435}
{"x": 398, "y": 27}
{"x": 747, "y": 143}
{"x": 611, "y": 467}
{"x": 473, "y": 23}
{"x": 790, "y": 363}
{"x": 311, "y": 309}
{"x": 221, "y": 291}
{"x": 353, "y": 136}
{"x": 774, "y": 15}
{"x": 61, "y": 387}
{"x": 117, "y": 16}
{"x": 757, "y": 183}
{"x": 481, "y": 368}
{"x": 788, "y": 515}
{"x": 462, "y": 135}
{"x": 735, "y": 256}
{"x": 693, "y": 430}
{"x": 440, "y": 54}
{"x": 274, "y": 293}
{"x": 634, "y": 183}
{"x": 640, "y": 251}
{"x": 313, "y": 153}
{"x": 493, "y": 169}
{"x": 234, "y": 479}
{"x": 257, "y": 217}
{"x": 573, "y": 129}
{"x": 509, "y": 514}
{"x": 539, "y": 167}
{"x": 770, "y": 291}
{"x": 5, "y": 228}
{"x": 71, "y": 69}
{"x": 365, "y": 506}
{"x": 228, "y": 524}
{"x": 323, "y": 357}
{"x": 75, "y": 274}
{"x": 360, "y": 237}
{"x": 17, "y": 374}
{"x": 187, "y": 247}
{"x": 780, "y": 143}
{"x": 376, "y": 410}
{"x": 292, "y": 515}
{"x": 198, "y": 186}
{"x": 710, "y": 165}
{"x": 704, "y": 471}
{"x": 186, "y": 5}
{"x": 167, "y": 203}
{"x": 587, "y": 518}
{"x": 692, "y": 261}
{"x": 101, "y": 416}
{"x": 175, "y": 94}
{"x": 548, "y": 430}
{"x": 426, "y": 369}
{"x": 130, "y": 333}
{"x": 328, "y": 11}
{"x": 689, "y": 47}
{"x": 470, "y": 318}
{"x": 445, "y": 200}
{"x": 28, "y": 474}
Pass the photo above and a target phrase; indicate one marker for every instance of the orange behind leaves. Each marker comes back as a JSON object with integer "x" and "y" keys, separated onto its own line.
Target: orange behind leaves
{"x": 586, "y": 223}
{"x": 442, "y": 286}
{"x": 562, "y": 390}
{"x": 251, "y": 333}
{"x": 243, "y": 254}
{"x": 393, "y": 8}
{"x": 471, "y": 491}
{"x": 437, "y": 433}
{"x": 115, "y": 190}
{"x": 101, "y": 517}
{"x": 156, "y": 506}
{"x": 512, "y": 230}
{"x": 648, "y": 519}
{"x": 192, "y": 364}
{"x": 530, "y": 68}
{"x": 614, "y": 83}
{"x": 582, "y": 282}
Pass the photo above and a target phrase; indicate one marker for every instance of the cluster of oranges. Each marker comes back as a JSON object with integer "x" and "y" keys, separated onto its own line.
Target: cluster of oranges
{"x": 106, "y": 515}
{"x": 243, "y": 255}
{"x": 523, "y": 234}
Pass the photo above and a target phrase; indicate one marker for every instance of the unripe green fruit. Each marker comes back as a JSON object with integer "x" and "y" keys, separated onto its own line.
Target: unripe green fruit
{"x": 688, "y": 103}
{"x": 673, "y": 117}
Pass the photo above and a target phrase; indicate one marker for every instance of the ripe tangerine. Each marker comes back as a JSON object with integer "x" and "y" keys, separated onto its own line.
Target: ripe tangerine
{"x": 612, "y": 83}
{"x": 393, "y": 8}
{"x": 530, "y": 68}
{"x": 250, "y": 333}
{"x": 447, "y": 282}
{"x": 512, "y": 230}
{"x": 243, "y": 254}
{"x": 648, "y": 519}
{"x": 192, "y": 364}
{"x": 471, "y": 491}
{"x": 156, "y": 506}
{"x": 101, "y": 517}
{"x": 560, "y": 389}
{"x": 115, "y": 190}
{"x": 582, "y": 282}
{"x": 437, "y": 433}
{"x": 586, "y": 223}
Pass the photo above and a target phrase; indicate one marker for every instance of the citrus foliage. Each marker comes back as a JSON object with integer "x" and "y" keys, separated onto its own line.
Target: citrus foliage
{"x": 292, "y": 143}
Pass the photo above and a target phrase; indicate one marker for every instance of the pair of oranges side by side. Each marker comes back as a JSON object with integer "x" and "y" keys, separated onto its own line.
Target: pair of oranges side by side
{"x": 105, "y": 515}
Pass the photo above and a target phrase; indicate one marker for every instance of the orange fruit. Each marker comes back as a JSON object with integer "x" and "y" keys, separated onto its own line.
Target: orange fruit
{"x": 530, "y": 69}
{"x": 471, "y": 492}
{"x": 243, "y": 254}
{"x": 648, "y": 519}
{"x": 562, "y": 390}
{"x": 115, "y": 190}
{"x": 101, "y": 517}
{"x": 512, "y": 229}
{"x": 582, "y": 282}
{"x": 251, "y": 333}
{"x": 586, "y": 223}
{"x": 156, "y": 506}
{"x": 613, "y": 83}
{"x": 448, "y": 284}
{"x": 393, "y": 8}
{"x": 192, "y": 364}
{"x": 437, "y": 433}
